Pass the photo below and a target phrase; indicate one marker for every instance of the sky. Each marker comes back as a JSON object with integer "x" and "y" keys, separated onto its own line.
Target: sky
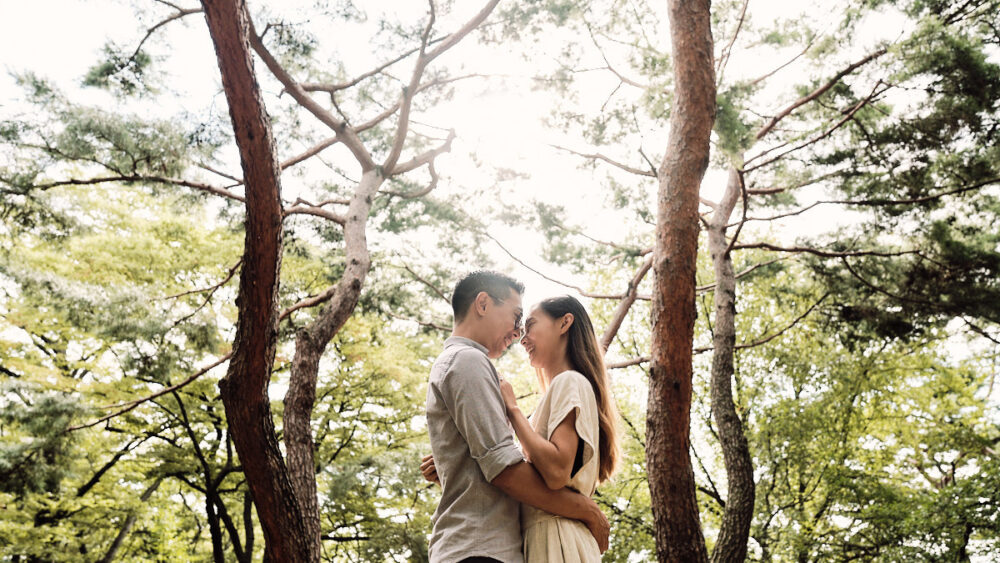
{"x": 501, "y": 121}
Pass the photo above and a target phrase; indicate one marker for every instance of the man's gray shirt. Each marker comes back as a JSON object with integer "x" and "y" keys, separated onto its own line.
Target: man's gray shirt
{"x": 472, "y": 443}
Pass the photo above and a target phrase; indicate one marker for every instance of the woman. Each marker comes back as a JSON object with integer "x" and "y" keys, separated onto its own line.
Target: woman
{"x": 572, "y": 436}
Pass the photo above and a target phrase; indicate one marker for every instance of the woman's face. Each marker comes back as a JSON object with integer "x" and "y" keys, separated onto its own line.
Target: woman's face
{"x": 542, "y": 338}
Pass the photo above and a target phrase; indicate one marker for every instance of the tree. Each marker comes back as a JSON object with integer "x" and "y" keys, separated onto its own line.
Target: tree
{"x": 671, "y": 480}
{"x": 244, "y": 389}
{"x": 128, "y": 74}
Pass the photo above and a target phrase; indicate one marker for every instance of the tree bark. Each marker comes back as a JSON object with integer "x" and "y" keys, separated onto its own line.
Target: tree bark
{"x": 731, "y": 544}
{"x": 671, "y": 480}
{"x": 310, "y": 342}
{"x": 244, "y": 388}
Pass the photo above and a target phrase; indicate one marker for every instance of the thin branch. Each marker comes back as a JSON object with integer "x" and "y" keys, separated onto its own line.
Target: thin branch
{"x": 421, "y": 159}
{"x": 788, "y": 327}
{"x": 181, "y": 12}
{"x": 804, "y": 183}
{"x": 301, "y": 209}
{"x": 881, "y": 202}
{"x": 423, "y": 59}
{"x": 126, "y": 407}
{"x": 427, "y": 324}
{"x": 424, "y": 281}
{"x": 847, "y": 117}
{"x": 333, "y": 88}
{"x": 743, "y": 194}
{"x": 623, "y": 307}
{"x": 135, "y": 178}
{"x": 728, "y": 49}
{"x": 344, "y": 133}
{"x": 823, "y": 253}
{"x": 598, "y": 156}
{"x": 229, "y": 276}
{"x": 760, "y": 79}
{"x": 817, "y": 92}
{"x": 743, "y": 273}
{"x": 308, "y": 302}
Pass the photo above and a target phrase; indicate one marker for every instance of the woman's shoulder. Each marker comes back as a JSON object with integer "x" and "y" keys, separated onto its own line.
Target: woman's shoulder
{"x": 571, "y": 380}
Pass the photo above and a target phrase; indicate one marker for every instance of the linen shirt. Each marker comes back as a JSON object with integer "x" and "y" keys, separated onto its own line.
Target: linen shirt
{"x": 472, "y": 443}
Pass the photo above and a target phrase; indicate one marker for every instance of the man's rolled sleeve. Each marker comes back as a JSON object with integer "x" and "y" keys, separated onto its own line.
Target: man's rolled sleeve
{"x": 471, "y": 392}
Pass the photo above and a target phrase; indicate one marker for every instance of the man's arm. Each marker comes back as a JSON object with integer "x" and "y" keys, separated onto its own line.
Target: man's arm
{"x": 523, "y": 483}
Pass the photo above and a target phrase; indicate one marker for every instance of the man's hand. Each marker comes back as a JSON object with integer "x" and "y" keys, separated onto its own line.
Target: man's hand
{"x": 599, "y": 526}
{"x": 428, "y": 469}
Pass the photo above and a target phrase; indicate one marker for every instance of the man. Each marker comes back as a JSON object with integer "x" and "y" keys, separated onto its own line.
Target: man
{"x": 482, "y": 473}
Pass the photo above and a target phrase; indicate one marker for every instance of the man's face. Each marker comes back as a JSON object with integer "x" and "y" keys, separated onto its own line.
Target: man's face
{"x": 503, "y": 319}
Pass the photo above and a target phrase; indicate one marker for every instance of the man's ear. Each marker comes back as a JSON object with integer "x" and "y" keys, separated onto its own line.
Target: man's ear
{"x": 481, "y": 303}
{"x": 565, "y": 322}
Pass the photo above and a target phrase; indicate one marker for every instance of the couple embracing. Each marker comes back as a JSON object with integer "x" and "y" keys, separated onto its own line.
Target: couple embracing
{"x": 501, "y": 503}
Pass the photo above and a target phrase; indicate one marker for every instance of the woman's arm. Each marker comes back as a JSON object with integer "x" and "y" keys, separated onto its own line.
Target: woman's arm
{"x": 553, "y": 458}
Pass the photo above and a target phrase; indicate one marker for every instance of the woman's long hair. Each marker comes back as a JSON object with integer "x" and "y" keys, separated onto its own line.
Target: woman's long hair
{"x": 587, "y": 357}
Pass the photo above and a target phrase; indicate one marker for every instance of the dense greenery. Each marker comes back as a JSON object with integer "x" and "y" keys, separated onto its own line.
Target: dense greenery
{"x": 866, "y": 372}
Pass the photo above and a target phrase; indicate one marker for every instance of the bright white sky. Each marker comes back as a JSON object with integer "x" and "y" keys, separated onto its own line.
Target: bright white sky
{"x": 500, "y": 121}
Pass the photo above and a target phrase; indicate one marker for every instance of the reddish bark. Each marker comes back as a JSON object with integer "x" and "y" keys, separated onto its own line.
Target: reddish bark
{"x": 671, "y": 480}
{"x": 244, "y": 388}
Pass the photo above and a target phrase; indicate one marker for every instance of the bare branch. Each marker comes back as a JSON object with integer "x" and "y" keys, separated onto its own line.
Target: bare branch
{"x": 333, "y": 88}
{"x": 427, "y": 324}
{"x": 136, "y": 178}
{"x": 424, "y": 281}
{"x": 421, "y": 159}
{"x": 882, "y": 202}
{"x": 701, "y": 350}
{"x": 817, "y": 92}
{"x": 621, "y": 78}
{"x": 760, "y": 79}
{"x": 302, "y": 209}
{"x": 788, "y": 327}
{"x": 847, "y": 117}
{"x": 310, "y": 152}
{"x": 126, "y": 407}
{"x": 423, "y": 59}
{"x": 804, "y": 183}
{"x": 309, "y": 302}
{"x": 823, "y": 253}
{"x": 627, "y": 363}
{"x": 623, "y": 307}
{"x": 743, "y": 219}
{"x": 598, "y": 156}
{"x": 743, "y": 273}
{"x": 728, "y": 49}
{"x": 229, "y": 276}
{"x": 344, "y": 132}
{"x": 181, "y": 12}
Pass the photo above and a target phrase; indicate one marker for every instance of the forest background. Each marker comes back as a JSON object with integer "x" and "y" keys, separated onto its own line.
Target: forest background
{"x": 843, "y": 401}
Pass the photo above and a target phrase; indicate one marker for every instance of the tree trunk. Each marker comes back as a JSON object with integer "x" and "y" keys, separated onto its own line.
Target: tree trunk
{"x": 244, "y": 388}
{"x": 731, "y": 545}
{"x": 310, "y": 343}
{"x": 671, "y": 480}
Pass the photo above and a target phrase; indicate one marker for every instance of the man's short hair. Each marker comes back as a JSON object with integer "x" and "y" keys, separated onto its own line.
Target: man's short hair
{"x": 495, "y": 284}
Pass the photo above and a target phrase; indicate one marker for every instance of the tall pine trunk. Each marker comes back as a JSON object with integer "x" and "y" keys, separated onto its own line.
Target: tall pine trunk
{"x": 671, "y": 480}
{"x": 731, "y": 545}
{"x": 244, "y": 388}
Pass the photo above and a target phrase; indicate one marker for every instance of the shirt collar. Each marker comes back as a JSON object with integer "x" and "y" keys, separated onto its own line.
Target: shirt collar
{"x": 463, "y": 341}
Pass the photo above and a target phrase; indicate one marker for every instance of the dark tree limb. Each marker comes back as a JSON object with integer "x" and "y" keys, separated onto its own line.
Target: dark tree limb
{"x": 244, "y": 388}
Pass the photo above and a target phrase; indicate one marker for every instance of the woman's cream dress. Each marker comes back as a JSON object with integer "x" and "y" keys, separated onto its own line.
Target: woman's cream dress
{"x": 549, "y": 538}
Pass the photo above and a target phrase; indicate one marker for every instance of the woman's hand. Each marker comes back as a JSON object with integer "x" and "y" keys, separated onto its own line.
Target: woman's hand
{"x": 428, "y": 469}
{"x": 509, "y": 399}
